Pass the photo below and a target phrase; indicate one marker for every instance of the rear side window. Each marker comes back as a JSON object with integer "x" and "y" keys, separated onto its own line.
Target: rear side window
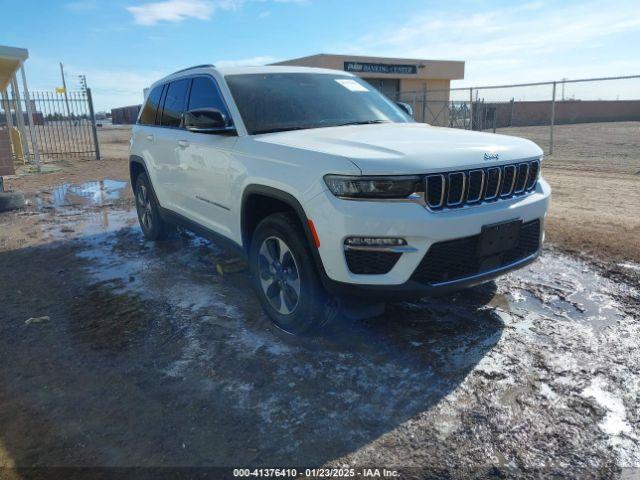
{"x": 148, "y": 115}
{"x": 175, "y": 102}
{"x": 205, "y": 94}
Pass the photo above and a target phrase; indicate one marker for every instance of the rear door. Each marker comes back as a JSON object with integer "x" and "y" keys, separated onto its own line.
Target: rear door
{"x": 145, "y": 135}
{"x": 205, "y": 160}
{"x": 171, "y": 175}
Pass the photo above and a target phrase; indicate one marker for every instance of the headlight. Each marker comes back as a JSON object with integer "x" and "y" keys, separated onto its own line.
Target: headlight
{"x": 373, "y": 187}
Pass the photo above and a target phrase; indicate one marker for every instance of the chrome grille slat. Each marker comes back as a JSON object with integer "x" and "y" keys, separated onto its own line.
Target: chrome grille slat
{"x": 534, "y": 172}
{"x": 471, "y": 182}
{"x": 454, "y": 202}
{"x": 507, "y": 171}
{"x": 429, "y": 181}
{"x": 518, "y": 188}
{"x": 496, "y": 191}
{"x": 460, "y": 188}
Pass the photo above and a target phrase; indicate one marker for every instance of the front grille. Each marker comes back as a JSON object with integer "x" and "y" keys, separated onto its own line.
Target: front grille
{"x": 458, "y": 259}
{"x": 468, "y": 187}
{"x": 370, "y": 263}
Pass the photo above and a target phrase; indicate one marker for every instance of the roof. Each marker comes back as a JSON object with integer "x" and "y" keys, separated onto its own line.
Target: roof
{"x": 247, "y": 70}
{"x": 10, "y": 60}
{"x": 277, "y": 69}
{"x": 365, "y": 58}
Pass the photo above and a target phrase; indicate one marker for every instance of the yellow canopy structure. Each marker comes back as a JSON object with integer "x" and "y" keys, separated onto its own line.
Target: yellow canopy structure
{"x": 11, "y": 61}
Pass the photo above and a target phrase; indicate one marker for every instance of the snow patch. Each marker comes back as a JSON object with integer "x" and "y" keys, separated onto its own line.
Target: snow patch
{"x": 614, "y": 422}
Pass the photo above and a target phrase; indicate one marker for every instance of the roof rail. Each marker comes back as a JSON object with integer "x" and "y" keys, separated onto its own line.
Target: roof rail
{"x": 195, "y": 66}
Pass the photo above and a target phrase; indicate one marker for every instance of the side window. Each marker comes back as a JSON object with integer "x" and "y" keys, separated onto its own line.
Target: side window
{"x": 148, "y": 115}
{"x": 205, "y": 94}
{"x": 175, "y": 102}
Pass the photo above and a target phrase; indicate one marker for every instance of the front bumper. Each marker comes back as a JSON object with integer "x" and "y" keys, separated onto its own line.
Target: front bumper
{"x": 335, "y": 219}
{"x": 414, "y": 289}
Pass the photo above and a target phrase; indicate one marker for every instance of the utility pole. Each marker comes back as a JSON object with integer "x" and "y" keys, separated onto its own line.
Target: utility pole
{"x": 563, "y": 82}
{"x": 83, "y": 82}
{"x": 64, "y": 87}
{"x": 553, "y": 117}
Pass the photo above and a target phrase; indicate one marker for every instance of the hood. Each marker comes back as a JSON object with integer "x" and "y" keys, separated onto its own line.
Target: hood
{"x": 408, "y": 148}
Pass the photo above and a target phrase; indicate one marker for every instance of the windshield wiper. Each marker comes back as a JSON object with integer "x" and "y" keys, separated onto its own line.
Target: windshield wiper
{"x": 279, "y": 129}
{"x": 308, "y": 127}
{"x": 363, "y": 122}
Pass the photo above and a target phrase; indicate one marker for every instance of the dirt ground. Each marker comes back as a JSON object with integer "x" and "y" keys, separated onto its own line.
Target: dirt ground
{"x": 595, "y": 175}
{"x": 600, "y": 147}
{"x": 115, "y": 351}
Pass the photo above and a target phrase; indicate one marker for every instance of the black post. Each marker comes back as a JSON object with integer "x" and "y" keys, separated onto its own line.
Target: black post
{"x": 1, "y": 184}
{"x": 93, "y": 123}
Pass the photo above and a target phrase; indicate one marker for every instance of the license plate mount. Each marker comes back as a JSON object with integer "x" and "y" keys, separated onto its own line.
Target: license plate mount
{"x": 499, "y": 237}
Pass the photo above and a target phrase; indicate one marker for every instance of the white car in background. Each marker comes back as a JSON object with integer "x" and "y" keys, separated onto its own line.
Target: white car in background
{"x": 331, "y": 190}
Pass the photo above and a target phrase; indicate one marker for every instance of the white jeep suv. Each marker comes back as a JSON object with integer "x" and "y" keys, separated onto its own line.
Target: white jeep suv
{"x": 329, "y": 189}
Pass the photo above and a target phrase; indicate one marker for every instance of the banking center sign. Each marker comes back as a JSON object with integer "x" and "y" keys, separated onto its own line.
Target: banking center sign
{"x": 360, "y": 67}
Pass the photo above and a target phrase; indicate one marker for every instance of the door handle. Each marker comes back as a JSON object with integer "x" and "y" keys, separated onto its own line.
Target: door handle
{"x": 183, "y": 143}
{"x": 150, "y": 138}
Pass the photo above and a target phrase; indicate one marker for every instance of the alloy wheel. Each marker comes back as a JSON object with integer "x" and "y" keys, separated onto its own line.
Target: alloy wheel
{"x": 144, "y": 207}
{"x": 279, "y": 275}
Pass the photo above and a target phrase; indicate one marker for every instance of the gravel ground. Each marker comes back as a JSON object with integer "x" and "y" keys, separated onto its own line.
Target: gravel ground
{"x": 147, "y": 357}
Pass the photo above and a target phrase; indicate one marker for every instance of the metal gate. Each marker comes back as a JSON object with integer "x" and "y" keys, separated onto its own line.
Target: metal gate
{"x": 63, "y": 126}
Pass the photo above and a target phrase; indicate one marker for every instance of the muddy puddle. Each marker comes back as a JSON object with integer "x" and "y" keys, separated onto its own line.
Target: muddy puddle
{"x": 89, "y": 194}
{"x": 69, "y": 211}
{"x": 538, "y": 370}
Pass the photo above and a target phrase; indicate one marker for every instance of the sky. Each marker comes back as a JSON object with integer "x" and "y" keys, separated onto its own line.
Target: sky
{"x": 123, "y": 46}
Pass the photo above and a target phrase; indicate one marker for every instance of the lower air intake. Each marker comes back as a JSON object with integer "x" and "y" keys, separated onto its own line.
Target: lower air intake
{"x": 458, "y": 259}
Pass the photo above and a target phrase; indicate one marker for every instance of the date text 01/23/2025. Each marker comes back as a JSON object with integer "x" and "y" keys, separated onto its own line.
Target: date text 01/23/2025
{"x": 316, "y": 473}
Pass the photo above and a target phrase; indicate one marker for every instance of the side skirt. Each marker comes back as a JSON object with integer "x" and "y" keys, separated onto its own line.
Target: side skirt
{"x": 226, "y": 243}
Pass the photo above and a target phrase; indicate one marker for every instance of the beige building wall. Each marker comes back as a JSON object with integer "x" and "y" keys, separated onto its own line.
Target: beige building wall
{"x": 436, "y": 95}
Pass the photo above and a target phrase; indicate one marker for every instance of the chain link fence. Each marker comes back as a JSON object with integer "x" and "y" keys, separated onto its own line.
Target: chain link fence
{"x": 574, "y": 121}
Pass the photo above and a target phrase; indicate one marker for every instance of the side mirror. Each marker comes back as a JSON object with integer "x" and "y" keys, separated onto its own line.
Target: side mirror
{"x": 406, "y": 108}
{"x": 206, "y": 120}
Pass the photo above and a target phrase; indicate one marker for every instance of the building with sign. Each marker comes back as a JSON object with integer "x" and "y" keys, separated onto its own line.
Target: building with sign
{"x": 422, "y": 83}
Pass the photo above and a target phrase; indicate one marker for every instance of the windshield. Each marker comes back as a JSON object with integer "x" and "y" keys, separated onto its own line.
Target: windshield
{"x": 277, "y": 102}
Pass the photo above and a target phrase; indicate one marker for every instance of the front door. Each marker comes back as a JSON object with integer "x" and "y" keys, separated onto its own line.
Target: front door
{"x": 389, "y": 86}
{"x": 205, "y": 160}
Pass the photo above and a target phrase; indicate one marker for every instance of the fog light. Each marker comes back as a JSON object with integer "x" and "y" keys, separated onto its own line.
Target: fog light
{"x": 374, "y": 242}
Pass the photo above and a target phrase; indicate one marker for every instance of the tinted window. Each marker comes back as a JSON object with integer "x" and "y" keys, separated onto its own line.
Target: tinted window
{"x": 174, "y": 103}
{"x": 285, "y": 101}
{"x": 148, "y": 115}
{"x": 204, "y": 94}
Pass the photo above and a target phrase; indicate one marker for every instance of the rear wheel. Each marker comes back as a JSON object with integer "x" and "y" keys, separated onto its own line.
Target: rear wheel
{"x": 285, "y": 277}
{"x": 152, "y": 224}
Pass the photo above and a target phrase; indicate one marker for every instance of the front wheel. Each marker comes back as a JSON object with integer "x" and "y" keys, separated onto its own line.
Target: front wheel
{"x": 285, "y": 277}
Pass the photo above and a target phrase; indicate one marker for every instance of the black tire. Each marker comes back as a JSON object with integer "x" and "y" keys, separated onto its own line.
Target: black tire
{"x": 313, "y": 308}
{"x": 11, "y": 201}
{"x": 152, "y": 224}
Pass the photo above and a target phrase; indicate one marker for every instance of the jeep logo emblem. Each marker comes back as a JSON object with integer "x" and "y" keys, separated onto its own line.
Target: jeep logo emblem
{"x": 491, "y": 156}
